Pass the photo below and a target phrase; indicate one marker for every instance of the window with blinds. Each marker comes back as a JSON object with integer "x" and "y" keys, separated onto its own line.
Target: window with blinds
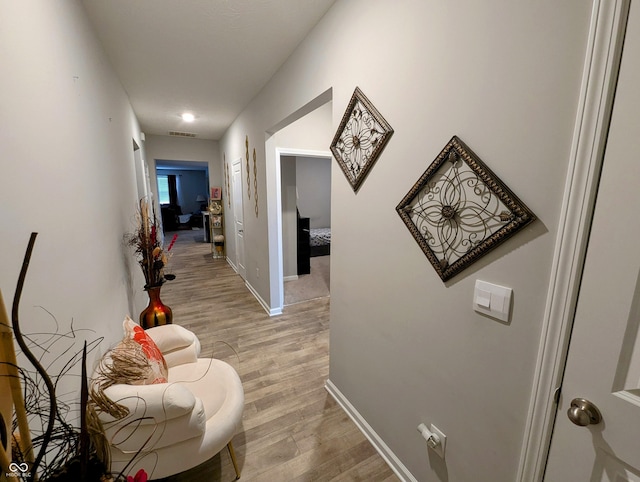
{"x": 163, "y": 189}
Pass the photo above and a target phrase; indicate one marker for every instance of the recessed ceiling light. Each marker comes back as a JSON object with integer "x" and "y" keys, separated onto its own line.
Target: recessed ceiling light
{"x": 187, "y": 117}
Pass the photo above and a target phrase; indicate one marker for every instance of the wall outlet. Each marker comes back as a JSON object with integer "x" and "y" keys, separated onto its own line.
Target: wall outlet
{"x": 436, "y": 440}
{"x": 257, "y": 272}
{"x": 440, "y": 448}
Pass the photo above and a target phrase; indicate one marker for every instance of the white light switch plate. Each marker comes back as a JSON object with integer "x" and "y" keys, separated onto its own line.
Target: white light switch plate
{"x": 492, "y": 300}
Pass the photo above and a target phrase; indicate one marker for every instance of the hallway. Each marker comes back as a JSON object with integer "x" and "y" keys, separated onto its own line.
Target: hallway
{"x": 292, "y": 428}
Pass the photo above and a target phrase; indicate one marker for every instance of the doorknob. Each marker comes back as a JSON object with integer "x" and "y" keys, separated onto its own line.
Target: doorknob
{"x": 583, "y": 412}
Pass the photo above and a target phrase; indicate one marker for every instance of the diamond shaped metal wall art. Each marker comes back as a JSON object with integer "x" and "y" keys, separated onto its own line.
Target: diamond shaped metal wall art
{"x": 459, "y": 210}
{"x": 360, "y": 139}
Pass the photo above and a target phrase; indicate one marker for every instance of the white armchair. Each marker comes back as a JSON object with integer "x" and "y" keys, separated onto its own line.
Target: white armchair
{"x": 175, "y": 426}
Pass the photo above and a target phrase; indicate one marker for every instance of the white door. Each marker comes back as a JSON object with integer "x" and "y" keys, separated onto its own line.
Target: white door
{"x": 603, "y": 363}
{"x": 236, "y": 179}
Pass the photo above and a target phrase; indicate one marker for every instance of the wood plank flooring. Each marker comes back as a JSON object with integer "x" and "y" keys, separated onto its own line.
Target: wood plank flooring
{"x": 292, "y": 429}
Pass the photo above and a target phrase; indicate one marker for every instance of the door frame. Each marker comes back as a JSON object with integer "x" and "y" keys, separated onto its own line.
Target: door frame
{"x": 276, "y": 256}
{"x": 274, "y": 199}
{"x": 237, "y": 266}
{"x": 599, "y": 79}
{"x": 141, "y": 172}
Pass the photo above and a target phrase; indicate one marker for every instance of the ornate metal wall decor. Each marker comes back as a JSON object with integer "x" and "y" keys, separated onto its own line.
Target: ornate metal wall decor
{"x": 226, "y": 173}
{"x": 360, "y": 138}
{"x": 255, "y": 181}
{"x": 246, "y": 143}
{"x": 459, "y": 210}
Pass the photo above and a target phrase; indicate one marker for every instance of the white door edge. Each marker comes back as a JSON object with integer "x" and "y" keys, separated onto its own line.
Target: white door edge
{"x": 602, "y": 62}
{"x": 239, "y": 265}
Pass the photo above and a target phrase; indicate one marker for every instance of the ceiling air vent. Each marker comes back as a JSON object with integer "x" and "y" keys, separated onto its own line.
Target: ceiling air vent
{"x": 181, "y": 134}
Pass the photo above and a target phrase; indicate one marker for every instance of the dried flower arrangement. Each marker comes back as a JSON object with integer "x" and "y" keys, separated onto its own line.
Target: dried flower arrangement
{"x": 148, "y": 243}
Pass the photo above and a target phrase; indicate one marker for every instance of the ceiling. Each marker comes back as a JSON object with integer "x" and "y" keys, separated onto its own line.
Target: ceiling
{"x": 207, "y": 57}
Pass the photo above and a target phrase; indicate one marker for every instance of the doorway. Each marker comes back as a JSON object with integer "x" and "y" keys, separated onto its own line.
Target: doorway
{"x": 598, "y": 417}
{"x": 183, "y": 189}
{"x": 238, "y": 218}
{"x": 551, "y": 398}
{"x": 306, "y": 226}
{"x": 298, "y": 129}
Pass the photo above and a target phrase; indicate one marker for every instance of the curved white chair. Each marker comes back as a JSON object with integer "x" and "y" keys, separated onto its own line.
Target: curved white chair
{"x": 175, "y": 426}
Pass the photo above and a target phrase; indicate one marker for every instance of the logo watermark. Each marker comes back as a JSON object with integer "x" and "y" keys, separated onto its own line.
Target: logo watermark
{"x": 18, "y": 470}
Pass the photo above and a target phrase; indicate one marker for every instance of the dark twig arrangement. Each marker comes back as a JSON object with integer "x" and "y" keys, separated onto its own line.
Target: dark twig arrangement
{"x": 64, "y": 452}
{"x": 44, "y": 423}
{"x": 53, "y": 408}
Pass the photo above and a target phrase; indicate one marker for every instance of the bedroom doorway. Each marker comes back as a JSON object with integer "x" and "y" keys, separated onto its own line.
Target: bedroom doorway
{"x": 305, "y": 191}
{"x": 306, "y": 132}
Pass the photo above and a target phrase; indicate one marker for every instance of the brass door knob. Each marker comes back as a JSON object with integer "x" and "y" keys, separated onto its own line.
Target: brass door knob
{"x": 582, "y": 412}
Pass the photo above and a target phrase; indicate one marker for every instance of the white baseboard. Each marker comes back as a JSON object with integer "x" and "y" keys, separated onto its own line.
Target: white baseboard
{"x": 270, "y": 311}
{"x": 293, "y": 277}
{"x": 231, "y": 264}
{"x": 385, "y": 452}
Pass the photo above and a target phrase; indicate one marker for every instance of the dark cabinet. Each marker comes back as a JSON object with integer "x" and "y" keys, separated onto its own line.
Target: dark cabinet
{"x": 304, "y": 248}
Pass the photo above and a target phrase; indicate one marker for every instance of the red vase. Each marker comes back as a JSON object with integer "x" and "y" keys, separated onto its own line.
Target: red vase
{"x": 157, "y": 313}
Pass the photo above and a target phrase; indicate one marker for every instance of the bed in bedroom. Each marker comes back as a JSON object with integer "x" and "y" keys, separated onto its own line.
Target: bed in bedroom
{"x": 319, "y": 241}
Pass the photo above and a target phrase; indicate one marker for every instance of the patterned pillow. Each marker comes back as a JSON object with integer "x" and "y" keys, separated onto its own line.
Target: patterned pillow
{"x": 136, "y": 360}
{"x": 156, "y": 371}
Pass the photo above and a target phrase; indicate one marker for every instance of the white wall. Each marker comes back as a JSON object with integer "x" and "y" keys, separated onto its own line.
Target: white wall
{"x": 288, "y": 170}
{"x": 313, "y": 180}
{"x": 67, "y": 163}
{"x": 405, "y": 347}
{"x": 311, "y": 131}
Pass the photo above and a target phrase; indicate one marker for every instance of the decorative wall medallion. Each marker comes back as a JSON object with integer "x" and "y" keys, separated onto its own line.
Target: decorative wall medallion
{"x": 246, "y": 143}
{"x": 255, "y": 180}
{"x": 226, "y": 173}
{"x": 459, "y": 210}
{"x": 360, "y": 138}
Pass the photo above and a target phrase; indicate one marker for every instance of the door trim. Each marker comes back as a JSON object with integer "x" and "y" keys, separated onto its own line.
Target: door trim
{"x": 274, "y": 201}
{"x": 276, "y": 254}
{"x": 241, "y": 269}
{"x": 602, "y": 62}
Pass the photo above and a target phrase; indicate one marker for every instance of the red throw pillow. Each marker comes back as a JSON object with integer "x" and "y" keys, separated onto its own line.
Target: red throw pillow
{"x": 158, "y": 372}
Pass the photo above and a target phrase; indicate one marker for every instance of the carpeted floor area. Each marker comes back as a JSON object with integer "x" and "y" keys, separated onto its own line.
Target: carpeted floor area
{"x": 309, "y": 286}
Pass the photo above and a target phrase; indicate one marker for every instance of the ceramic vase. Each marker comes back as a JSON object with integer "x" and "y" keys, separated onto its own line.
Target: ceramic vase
{"x": 156, "y": 313}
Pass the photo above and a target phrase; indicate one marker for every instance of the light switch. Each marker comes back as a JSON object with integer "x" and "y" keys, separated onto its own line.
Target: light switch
{"x": 483, "y": 298}
{"x": 492, "y": 300}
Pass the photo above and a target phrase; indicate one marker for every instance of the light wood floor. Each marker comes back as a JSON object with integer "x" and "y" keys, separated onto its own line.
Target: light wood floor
{"x": 292, "y": 429}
